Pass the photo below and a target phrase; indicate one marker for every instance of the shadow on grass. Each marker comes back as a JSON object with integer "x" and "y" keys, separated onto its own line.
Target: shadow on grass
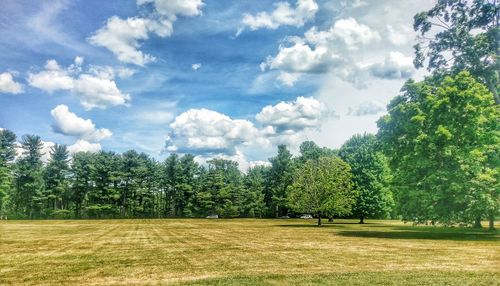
{"x": 437, "y": 233}
{"x": 312, "y": 225}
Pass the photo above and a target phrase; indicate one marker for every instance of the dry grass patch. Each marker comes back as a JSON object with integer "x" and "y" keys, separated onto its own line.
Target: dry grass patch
{"x": 243, "y": 252}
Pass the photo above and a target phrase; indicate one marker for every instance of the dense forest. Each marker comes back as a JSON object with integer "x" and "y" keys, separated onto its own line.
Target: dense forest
{"x": 128, "y": 185}
{"x": 434, "y": 160}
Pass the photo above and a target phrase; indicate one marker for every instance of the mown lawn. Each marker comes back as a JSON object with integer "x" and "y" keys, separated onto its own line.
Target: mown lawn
{"x": 244, "y": 252}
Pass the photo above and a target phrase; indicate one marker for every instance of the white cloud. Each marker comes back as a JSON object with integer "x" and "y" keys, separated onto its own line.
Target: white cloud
{"x": 300, "y": 58}
{"x": 395, "y": 66}
{"x": 328, "y": 51}
{"x": 195, "y": 67}
{"x": 94, "y": 91}
{"x": 68, "y": 123}
{"x": 253, "y": 164}
{"x": 203, "y": 131}
{"x": 292, "y": 117}
{"x": 170, "y": 9}
{"x": 78, "y": 60}
{"x": 367, "y": 108}
{"x": 123, "y": 37}
{"x": 283, "y": 14}
{"x": 288, "y": 79}
{"x": 108, "y": 72}
{"x": 397, "y": 37}
{"x": 354, "y": 34}
{"x": 154, "y": 116}
{"x": 97, "y": 92}
{"x": 84, "y": 146}
{"x": 210, "y": 134}
{"x": 51, "y": 79}
{"x": 8, "y": 85}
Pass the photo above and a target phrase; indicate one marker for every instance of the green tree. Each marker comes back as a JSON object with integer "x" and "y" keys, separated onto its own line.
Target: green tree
{"x": 104, "y": 197}
{"x": 371, "y": 176}
{"x": 186, "y": 186}
{"x": 7, "y": 155}
{"x": 169, "y": 179}
{"x": 28, "y": 199}
{"x": 461, "y": 35}
{"x": 279, "y": 178}
{"x": 311, "y": 151}
{"x": 82, "y": 170}
{"x": 254, "y": 187}
{"x": 56, "y": 179}
{"x": 441, "y": 137}
{"x": 323, "y": 188}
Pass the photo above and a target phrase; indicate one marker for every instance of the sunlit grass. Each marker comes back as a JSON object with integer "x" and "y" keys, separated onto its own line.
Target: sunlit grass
{"x": 244, "y": 252}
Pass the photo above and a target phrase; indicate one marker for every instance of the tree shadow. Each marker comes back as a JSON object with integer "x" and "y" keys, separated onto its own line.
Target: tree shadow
{"x": 437, "y": 233}
{"x": 306, "y": 225}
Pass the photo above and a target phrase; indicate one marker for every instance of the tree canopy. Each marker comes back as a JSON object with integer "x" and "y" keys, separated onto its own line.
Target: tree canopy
{"x": 371, "y": 176}
{"x": 442, "y": 140}
{"x": 322, "y": 187}
{"x": 461, "y": 35}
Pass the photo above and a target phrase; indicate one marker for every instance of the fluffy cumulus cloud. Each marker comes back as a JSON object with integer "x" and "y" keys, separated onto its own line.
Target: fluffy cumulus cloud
{"x": 68, "y": 123}
{"x": 353, "y": 34}
{"x": 323, "y": 51}
{"x": 285, "y": 121}
{"x": 210, "y": 134}
{"x": 96, "y": 89}
{"x": 367, "y": 108}
{"x": 300, "y": 58}
{"x": 123, "y": 37}
{"x": 8, "y": 85}
{"x": 51, "y": 79}
{"x": 84, "y": 146}
{"x": 98, "y": 92}
{"x": 395, "y": 66}
{"x": 283, "y": 14}
{"x": 203, "y": 131}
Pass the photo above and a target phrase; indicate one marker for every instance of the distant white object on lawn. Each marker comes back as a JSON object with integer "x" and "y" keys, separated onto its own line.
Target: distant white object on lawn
{"x": 213, "y": 216}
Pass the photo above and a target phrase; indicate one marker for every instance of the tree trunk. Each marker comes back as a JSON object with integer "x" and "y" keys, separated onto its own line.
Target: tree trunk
{"x": 319, "y": 220}
{"x": 362, "y": 220}
{"x": 491, "y": 222}
{"x": 330, "y": 219}
{"x": 277, "y": 212}
{"x": 477, "y": 223}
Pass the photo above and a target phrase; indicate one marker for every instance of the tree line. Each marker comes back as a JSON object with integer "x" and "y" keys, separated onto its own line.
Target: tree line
{"x": 135, "y": 185}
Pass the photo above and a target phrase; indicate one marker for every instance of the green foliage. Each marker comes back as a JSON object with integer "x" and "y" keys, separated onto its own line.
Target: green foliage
{"x": 371, "y": 176}
{"x": 82, "y": 170}
{"x": 322, "y": 187}
{"x": 442, "y": 139}
{"x": 464, "y": 36}
{"x": 222, "y": 189}
{"x": 254, "y": 182}
{"x": 279, "y": 178}
{"x": 7, "y": 154}
{"x": 56, "y": 177}
{"x": 28, "y": 199}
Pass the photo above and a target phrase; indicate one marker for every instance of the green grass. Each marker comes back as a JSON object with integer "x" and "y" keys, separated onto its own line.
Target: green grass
{"x": 244, "y": 252}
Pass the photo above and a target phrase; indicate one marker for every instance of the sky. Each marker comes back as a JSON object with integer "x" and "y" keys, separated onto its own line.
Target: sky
{"x": 214, "y": 78}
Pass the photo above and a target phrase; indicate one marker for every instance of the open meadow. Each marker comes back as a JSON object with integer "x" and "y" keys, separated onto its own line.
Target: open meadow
{"x": 244, "y": 252}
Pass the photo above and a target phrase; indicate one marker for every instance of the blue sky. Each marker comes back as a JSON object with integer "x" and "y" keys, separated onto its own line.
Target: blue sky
{"x": 215, "y": 78}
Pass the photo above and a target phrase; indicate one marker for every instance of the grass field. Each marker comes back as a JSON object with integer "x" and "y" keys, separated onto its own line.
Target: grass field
{"x": 244, "y": 252}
